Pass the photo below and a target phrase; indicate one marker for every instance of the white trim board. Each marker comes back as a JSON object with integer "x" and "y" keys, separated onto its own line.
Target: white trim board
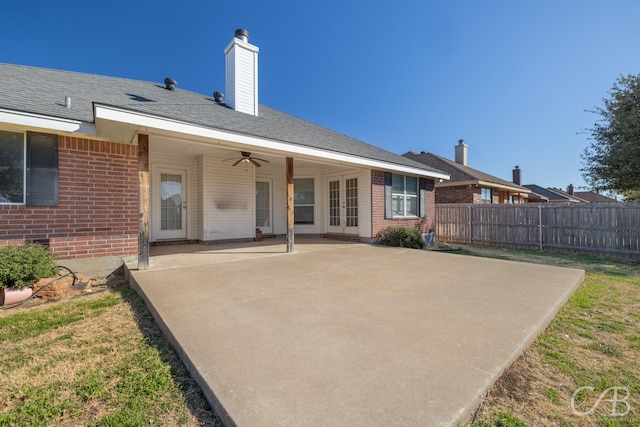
{"x": 265, "y": 145}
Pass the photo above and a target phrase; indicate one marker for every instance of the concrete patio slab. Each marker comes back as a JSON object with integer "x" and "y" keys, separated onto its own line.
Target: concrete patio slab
{"x": 342, "y": 334}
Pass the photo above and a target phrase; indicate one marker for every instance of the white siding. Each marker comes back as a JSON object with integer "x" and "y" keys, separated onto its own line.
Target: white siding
{"x": 228, "y": 200}
{"x": 242, "y": 77}
{"x": 230, "y": 72}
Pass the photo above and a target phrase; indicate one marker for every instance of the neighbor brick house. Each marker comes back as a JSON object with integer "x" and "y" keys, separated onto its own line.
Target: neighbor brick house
{"x": 468, "y": 185}
{"x": 99, "y": 167}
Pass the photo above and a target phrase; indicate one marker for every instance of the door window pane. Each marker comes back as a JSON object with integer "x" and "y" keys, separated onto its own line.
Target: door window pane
{"x": 171, "y": 202}
{"x": 263, "y": 205}
{"x": 351, "y": 189}
{"x": 334, "y": 203}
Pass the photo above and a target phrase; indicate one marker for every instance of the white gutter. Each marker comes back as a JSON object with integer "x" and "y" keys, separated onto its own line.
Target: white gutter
{"x": 160, "y": 123}
{"x": 46, "y": 122}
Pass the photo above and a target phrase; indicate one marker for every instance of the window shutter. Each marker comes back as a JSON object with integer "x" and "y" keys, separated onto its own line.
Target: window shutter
{"x": 42, "y": 169}
{"x": 388, "y": 209}
{"x": 422, "y": 200}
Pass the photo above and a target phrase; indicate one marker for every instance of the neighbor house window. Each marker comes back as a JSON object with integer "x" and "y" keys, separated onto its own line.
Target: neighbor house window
{"x": 303, "y": 201}
{"x": 486, "y": 195}
{"x": 28, "y": 168}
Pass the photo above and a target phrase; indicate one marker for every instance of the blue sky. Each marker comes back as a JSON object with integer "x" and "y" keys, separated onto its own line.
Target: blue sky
{"x": 511, "y": 78}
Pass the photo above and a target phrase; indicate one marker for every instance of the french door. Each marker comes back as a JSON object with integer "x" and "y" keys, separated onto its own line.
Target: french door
{"x": 170, "y": 204}
{"x": 343, "y": 204}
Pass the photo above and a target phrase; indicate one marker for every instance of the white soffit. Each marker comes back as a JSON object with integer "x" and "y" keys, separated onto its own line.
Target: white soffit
{"x": 45, "y": 122}
{"x": 264, "y": 145}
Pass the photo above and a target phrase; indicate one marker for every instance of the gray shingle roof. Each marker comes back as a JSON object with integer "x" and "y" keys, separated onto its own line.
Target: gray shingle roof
{"x": 593, "y": 197}
{"x": 554, "y": 195}
{"x": 43, "y": 91}
{"x": 459, "y": 172}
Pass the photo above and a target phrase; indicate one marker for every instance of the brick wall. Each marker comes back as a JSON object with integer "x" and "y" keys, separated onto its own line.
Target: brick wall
{"x": 97, "y": 207}
{"x": 470, "y": 194}
{"x": 458, "y": 194}
{"x": 378, "y": 221}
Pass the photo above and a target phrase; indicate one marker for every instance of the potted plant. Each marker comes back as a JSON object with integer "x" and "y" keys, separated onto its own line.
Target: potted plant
{"x": 20, "y": 267}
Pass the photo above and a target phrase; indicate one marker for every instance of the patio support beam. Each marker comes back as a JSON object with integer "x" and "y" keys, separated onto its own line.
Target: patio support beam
{"x": 143, "y": 201}
{"x": 289, "y": 174}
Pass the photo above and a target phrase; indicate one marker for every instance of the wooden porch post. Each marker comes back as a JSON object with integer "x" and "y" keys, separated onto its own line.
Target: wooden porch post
{"x": 289, "y": 204}
{"x": 143, "y": 201}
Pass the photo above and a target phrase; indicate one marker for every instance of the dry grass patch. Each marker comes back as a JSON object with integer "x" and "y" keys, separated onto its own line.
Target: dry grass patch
{"x": 95, "y": 360}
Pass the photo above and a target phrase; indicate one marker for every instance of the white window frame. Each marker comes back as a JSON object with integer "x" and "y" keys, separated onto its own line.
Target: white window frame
{"x": 312, "y": 205}
{"x": 406, "y": 197}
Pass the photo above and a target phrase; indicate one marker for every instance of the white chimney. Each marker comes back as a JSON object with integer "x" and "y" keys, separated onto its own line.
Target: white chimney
{"x": 242, "y": 74}
{"x": 461, "y": 152}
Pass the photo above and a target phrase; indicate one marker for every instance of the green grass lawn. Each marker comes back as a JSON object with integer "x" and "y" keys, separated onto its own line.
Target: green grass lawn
{"x": 594, "y": 341}
{"x": 100, "y": 360}
{"x": 95, "y": 360}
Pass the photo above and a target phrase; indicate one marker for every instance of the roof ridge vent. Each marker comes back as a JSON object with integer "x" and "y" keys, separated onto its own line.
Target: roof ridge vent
{"x": 170, "y": 83}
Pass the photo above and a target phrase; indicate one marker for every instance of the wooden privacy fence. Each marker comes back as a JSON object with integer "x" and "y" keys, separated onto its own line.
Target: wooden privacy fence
{"x": 595, "y": 228}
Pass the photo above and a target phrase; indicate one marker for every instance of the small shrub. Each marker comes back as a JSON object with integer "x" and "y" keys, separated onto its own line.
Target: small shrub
{"x": 402, "y": 236}
{"x": 23, "y": 265}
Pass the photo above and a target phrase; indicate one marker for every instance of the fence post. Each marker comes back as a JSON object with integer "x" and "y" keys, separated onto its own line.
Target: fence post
{"x": 471, "y": 224}
{"x": 540, "y": 226}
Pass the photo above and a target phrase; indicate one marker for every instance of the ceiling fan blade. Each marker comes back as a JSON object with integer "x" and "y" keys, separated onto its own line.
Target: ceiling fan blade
{"x": 238, "y": 162}
{"x": 262, "y": 160}
{"x": 256, "y": 164}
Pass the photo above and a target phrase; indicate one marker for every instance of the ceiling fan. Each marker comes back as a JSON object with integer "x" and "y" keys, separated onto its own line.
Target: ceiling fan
{"x": 247, "y": 158}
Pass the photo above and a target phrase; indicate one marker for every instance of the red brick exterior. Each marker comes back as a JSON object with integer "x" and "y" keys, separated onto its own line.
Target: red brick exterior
{"x": 471, "y": 194}
{"x": 458, "y": 194}
{"x": 97, "y": 207}
{"x": 378, "y": 221}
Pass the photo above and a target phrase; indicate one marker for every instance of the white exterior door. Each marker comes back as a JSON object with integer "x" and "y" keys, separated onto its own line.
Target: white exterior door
{"x": 170, "y": 204}
{"x": 264, "y": 209}
{"x": 343, "y": 204}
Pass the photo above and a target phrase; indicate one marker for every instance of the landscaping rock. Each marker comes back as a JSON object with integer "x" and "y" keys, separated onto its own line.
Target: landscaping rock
{"x": 63, "y": 287}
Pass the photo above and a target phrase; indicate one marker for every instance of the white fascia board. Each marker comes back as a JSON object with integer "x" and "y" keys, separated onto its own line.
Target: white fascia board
{"x": 264, "y": 144}
{"x": 46, "y": 122}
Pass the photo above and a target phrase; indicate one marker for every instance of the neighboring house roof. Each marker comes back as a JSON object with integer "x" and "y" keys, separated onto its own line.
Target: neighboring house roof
{"x": 593, "y": 197}
{"x": 42, "y": 91}
{"x": 463, "y": 174}
{"x": 554, "y": 194}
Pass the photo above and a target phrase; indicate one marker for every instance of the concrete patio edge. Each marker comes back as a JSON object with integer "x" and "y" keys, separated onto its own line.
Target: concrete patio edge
{"x": 486, "y": 321}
